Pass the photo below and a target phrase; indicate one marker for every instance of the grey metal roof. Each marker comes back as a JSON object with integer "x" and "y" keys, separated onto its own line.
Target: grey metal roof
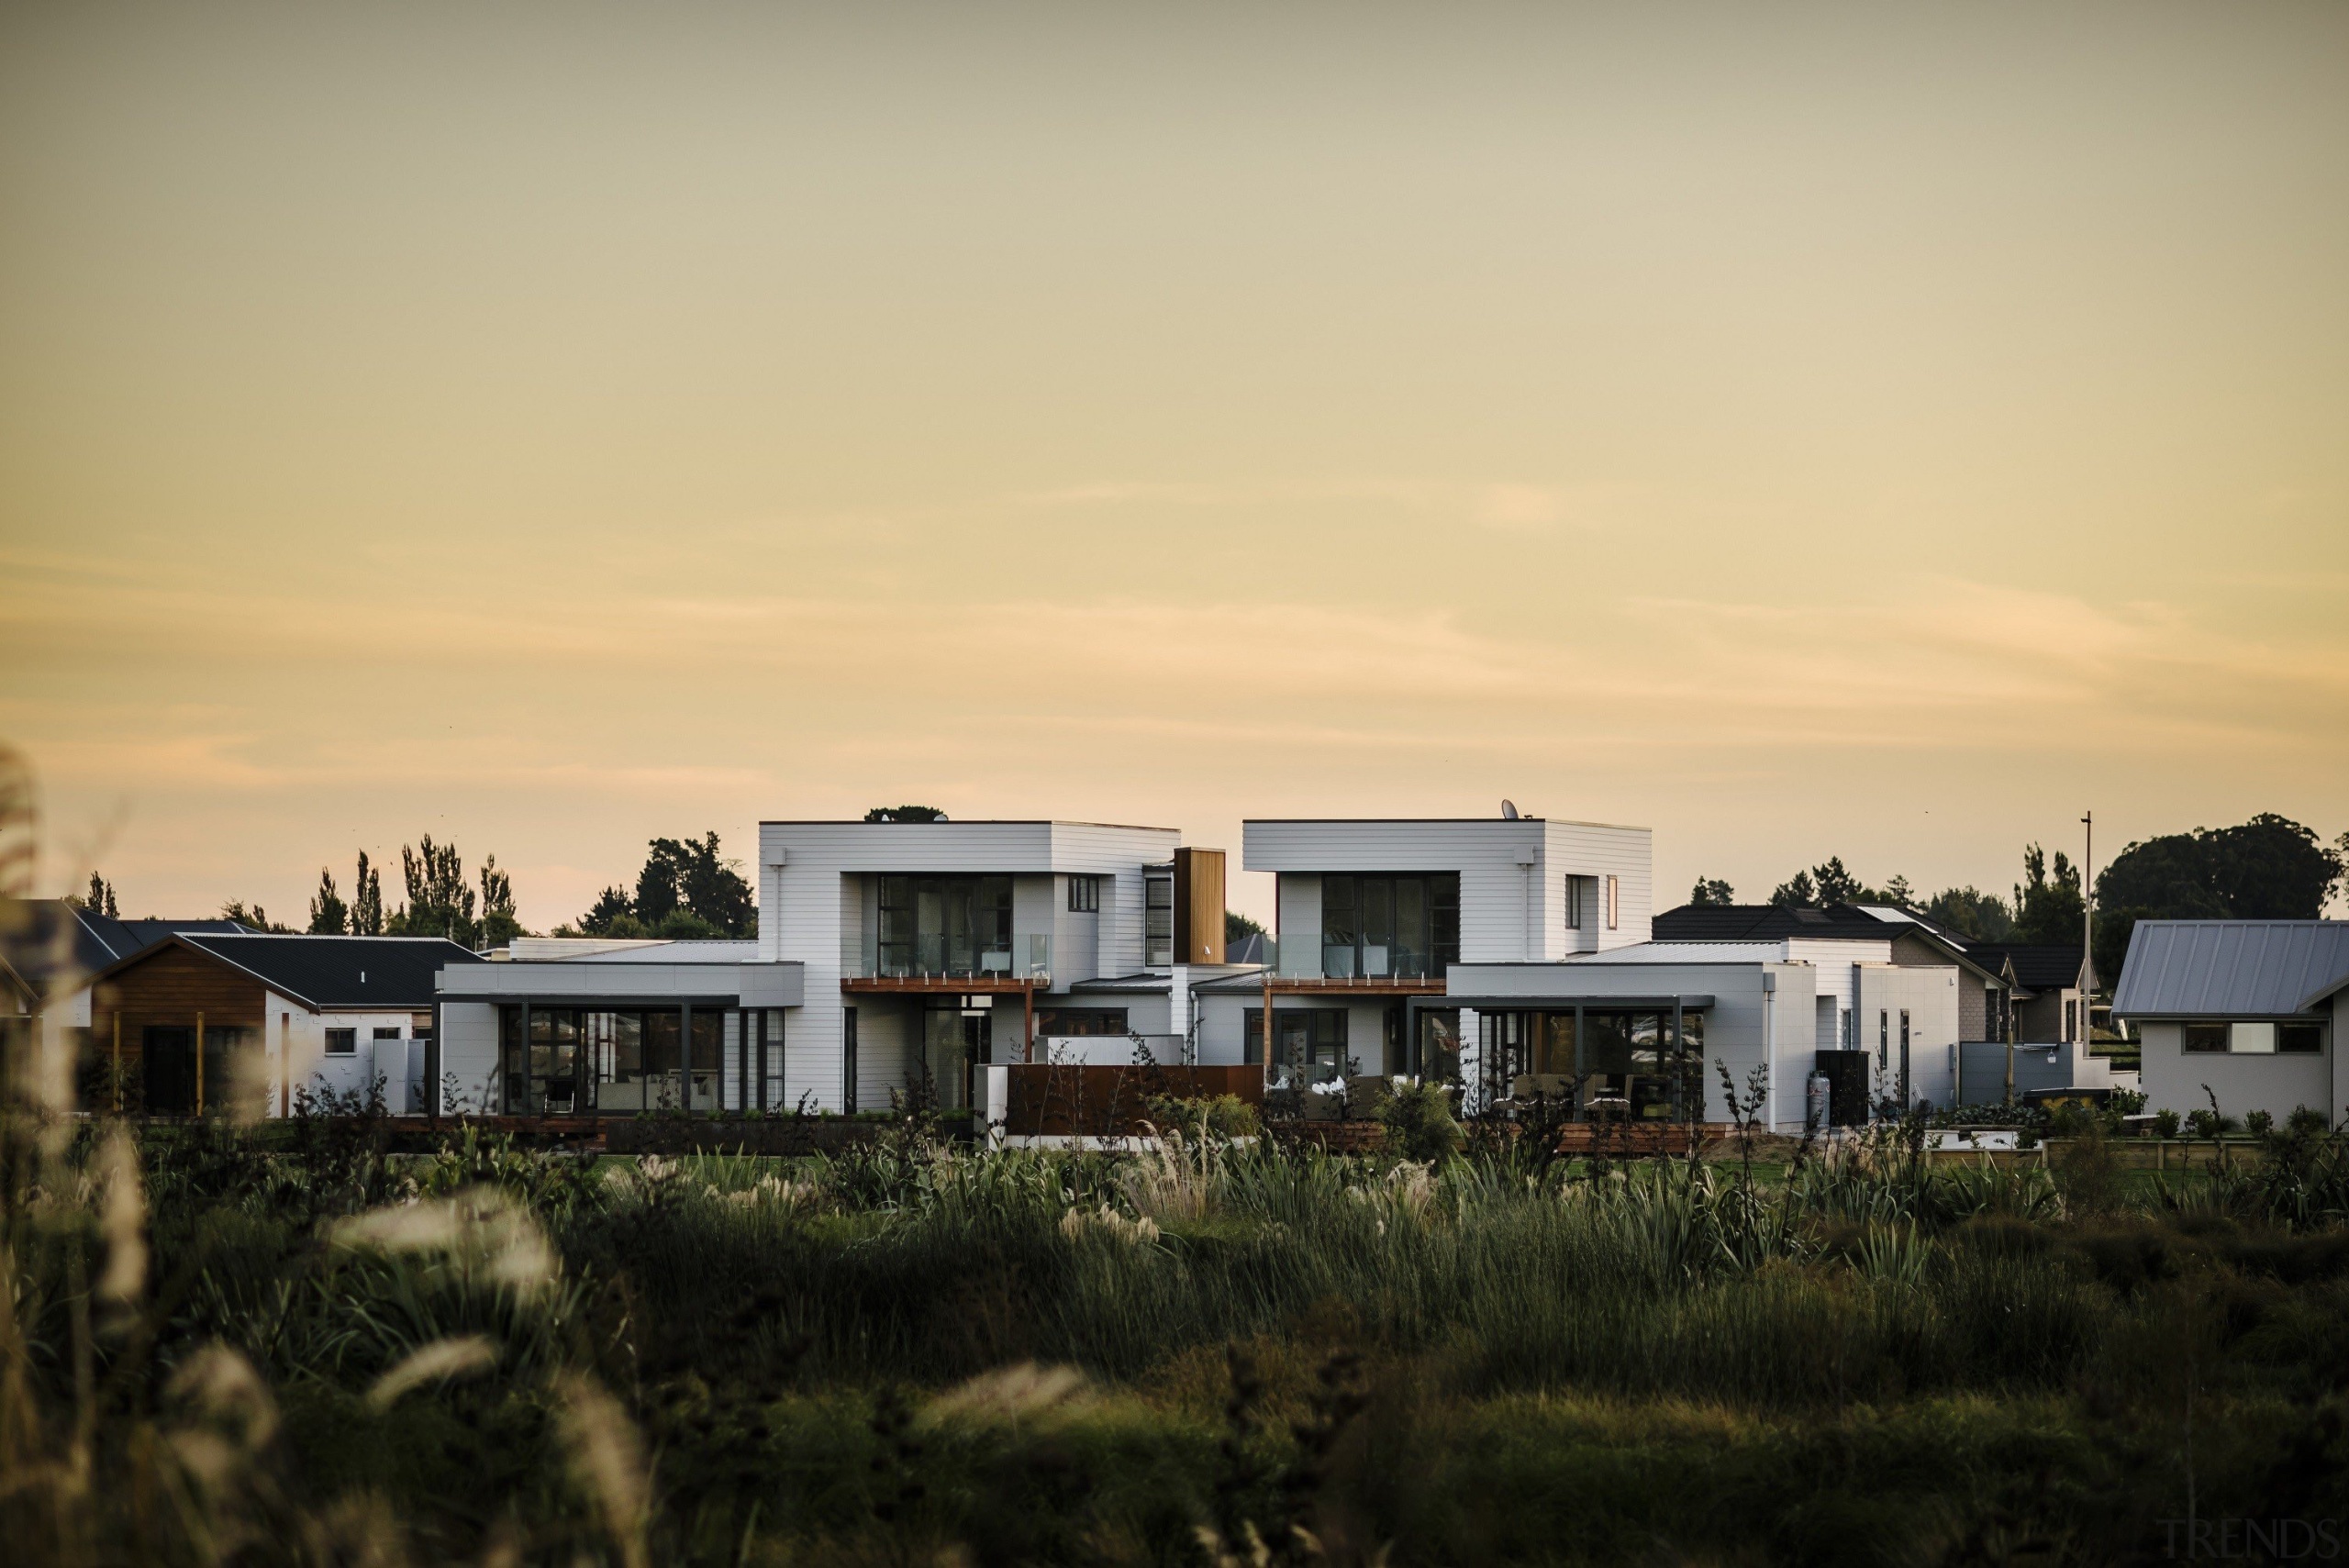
{"x": 2179, "y": 969}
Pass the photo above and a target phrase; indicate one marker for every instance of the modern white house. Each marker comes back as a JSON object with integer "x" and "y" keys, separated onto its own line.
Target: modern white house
{"x": 2250, "y": 1012}
{"x": 1373, "y": 915}
{"x": 892, "y": 957}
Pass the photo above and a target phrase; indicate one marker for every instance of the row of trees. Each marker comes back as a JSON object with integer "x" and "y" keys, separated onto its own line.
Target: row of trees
{"x": 2270, "y": 868}
{"x": 686, "y": 889}
{"x": 441, "y": 900}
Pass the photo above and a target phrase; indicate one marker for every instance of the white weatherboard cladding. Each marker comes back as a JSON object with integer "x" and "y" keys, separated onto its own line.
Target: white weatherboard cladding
{"x": 1076, "y": 936}
{"x": 814, "y": 886}
{"x": 1738, "y": 1026}
{"x": 1512, "y": 878}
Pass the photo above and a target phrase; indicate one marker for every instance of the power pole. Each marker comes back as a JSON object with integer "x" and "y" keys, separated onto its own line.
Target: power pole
{"x": 2087, "y": 930}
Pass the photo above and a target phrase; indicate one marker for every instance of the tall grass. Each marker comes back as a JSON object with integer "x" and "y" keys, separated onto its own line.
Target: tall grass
{"x": 218, "y": 1344}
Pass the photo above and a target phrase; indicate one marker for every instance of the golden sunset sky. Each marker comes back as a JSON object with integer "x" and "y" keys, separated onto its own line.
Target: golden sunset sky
{"x": 1870, "y": 430}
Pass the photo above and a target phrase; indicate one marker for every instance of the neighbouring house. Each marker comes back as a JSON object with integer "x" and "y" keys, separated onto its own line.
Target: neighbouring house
{"x": 893, "y": 959}
{"x": 2247, "y": 1012}
{"x": 49, "y": 949}
{"x": 1373, "y": 915}
{"x": 207, "y": 1022}
{"x": 2044, "y": 985}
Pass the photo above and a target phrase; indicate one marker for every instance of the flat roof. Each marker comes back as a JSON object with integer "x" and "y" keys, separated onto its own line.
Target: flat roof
{"x": 1496, "y": 821}
{"x": 960, "y": 822}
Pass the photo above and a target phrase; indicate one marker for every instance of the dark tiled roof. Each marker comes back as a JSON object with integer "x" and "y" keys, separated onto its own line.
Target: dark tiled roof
{"x": 46, "y": 939}
{"x": 1766, "y": 923}
{"x": 2039, "y": 966}
{"x": 341, "y": 971}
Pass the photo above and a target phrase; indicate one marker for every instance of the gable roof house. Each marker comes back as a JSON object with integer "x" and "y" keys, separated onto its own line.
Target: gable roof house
{"x": 2250, "y": 1012}
{"x": 49, "y": 949}
{"x": 204, "y": 1022}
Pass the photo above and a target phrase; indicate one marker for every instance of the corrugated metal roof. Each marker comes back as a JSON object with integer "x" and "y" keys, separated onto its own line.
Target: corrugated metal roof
{"x": 341, "y": 971}
{"x": 2231, "y": 968}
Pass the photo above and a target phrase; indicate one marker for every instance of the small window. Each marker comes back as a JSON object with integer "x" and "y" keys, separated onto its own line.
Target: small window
{"x": 1574, "y": 903}
{"x": 1091, "y": 1022}
{"x": 2299, "y": 1039}
{"x": 1614, "y": 901}
{"x": 342, "y": 1043}
{"x": 383, "y": 1032}
{"x": 1085, "y": 895}
{"x": 2206, "y": 1038}
{"x": 2071, "y": 1022}
{"x": 1884, "y": 1039}
{"x": 2252, "y": 1040}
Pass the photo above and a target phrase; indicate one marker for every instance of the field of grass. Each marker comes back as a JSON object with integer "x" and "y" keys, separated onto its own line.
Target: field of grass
{"x": 280, "y": 1346}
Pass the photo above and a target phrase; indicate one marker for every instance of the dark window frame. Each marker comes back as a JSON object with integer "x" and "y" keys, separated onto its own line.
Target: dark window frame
{"x": 1363, "y": 911}
{"x": 349, "y": 1042}
{"x": 2304, "y": 1039}
{"x": 1106, "y": 1023}
{"x": 2207, "y": 1034}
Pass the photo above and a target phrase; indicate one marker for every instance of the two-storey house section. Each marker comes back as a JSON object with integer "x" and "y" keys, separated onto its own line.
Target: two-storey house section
{"x": 931, "y": 948}
{"x": 1371, "y": 915}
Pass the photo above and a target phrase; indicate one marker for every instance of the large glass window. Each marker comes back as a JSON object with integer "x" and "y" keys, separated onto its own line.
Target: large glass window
{"x": 1635, "y": 1068}
{"x": 626, "y": 1060}
{"x": 1308, "y": 1045}
{"x": 548, "y": 1063}
{"x": 945, "y": 925}
{"x": 1440, "y": 1046}
{"x": 1401, "y": 926}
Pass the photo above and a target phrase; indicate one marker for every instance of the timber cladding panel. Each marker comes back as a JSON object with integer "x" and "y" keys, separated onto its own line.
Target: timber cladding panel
{"x": 169, "y": 987}
{"x": 1198, "y": 906}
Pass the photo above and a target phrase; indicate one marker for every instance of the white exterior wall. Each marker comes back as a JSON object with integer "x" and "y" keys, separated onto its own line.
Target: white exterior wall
{"x": 469, "y": 1056}
{"x": 1512, "y": 886}
{"x": 806, "y": 906}
{"x": 1223, "y": 1024}
{"x": 293, "y": 1046}
{"x": 2278, "y": 1084}
{"x": 1929, "y": 993}
{"x": 1077, "y": 935}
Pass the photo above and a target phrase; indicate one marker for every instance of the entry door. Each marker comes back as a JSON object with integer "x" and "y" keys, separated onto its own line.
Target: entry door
{"x": 169, "y": 1054}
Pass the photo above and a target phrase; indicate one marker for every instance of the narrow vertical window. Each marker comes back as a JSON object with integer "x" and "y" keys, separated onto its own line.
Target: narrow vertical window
{"x": 1613, "y": 900}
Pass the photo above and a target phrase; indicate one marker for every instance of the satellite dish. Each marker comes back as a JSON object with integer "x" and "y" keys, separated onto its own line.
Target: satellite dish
{"x": 1509, "y": 811}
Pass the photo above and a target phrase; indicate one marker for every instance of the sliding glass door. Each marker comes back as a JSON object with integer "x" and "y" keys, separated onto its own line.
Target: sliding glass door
{"x": 945, "y": 925}
{"x": 1402, "y": 926}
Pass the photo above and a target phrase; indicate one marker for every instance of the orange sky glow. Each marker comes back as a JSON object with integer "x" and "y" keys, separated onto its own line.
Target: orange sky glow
{"x": 1875, "y": 430}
